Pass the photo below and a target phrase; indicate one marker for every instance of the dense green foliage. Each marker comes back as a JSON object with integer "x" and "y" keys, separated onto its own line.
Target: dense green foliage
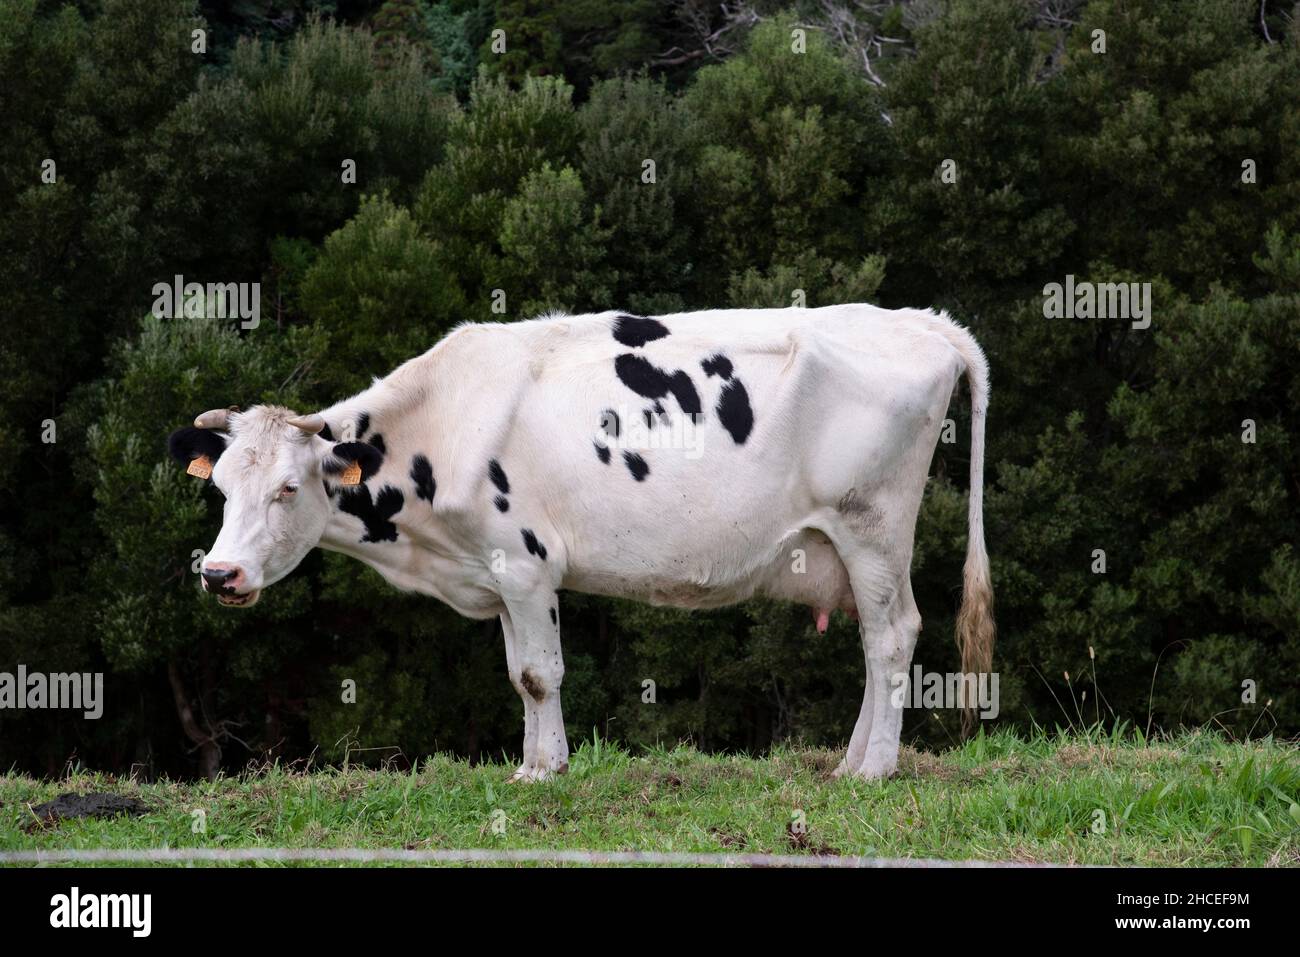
{"x": 778, "y": 165}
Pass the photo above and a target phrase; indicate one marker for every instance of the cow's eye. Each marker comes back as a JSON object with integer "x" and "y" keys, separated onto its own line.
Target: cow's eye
{"x": 288, "y": 491}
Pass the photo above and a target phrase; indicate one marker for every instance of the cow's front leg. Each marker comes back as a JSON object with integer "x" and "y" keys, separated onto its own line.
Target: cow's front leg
{"x": 537, "y": 672}
{"x": 526, "y": 770}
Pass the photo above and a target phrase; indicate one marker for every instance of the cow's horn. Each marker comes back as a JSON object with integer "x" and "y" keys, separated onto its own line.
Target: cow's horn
{"x": 213, "y": 419}
{"x": 311, "y": 424}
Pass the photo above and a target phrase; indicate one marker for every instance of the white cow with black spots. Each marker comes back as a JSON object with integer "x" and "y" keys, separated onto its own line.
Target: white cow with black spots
{"x": 691, "y": 460}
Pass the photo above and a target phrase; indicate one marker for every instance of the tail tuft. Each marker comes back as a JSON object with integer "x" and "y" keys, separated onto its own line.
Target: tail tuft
{"x": 975, "y": 628}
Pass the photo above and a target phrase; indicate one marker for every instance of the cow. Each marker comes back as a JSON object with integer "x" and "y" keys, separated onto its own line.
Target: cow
{"x": 692, "y": 460}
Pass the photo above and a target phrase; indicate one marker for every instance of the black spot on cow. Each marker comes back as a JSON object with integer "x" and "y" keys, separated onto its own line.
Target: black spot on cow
{"x": 734, "y": 411}
{"x": 636, "y": 465}
{"x": 325, "y": 433}
{"x": 532, "y": 544}
{"x": 648, "y": 380}
{"x": 422, "y": 476}
{"x": 363, "y": 425}
{"x": 718, "y": 365}
{"x": 683, "y": 390}
{"x": 636, "y": 331}
{"x": 330, "y": 490}
{"x": 377, "y": 441}
{"x": 376, "y": 513}
{"x": 363, "y": 453}
{"x": 502, "y": 503}
{"x": 498, "y": 476}
{"x": 189, "y": 443}
{"x": 555, "y": 618}
{"x": 602, "y": 452}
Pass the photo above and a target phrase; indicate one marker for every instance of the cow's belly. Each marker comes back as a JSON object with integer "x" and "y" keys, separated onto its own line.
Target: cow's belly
{"x": 800, "y": 566}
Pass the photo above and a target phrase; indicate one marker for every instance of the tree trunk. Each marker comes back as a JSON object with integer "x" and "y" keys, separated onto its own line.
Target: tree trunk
{"x": 209, "y": 750}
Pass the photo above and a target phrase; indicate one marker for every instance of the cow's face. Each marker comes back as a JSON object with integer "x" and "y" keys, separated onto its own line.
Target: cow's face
{"x": 269, "y": 463}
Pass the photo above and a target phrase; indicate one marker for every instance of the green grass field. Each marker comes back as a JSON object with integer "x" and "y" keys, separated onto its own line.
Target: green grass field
{"x": 1101, "y": 798}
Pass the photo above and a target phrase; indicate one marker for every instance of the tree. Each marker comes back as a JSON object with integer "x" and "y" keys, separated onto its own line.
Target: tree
{"x": 503, "y": 136}
{"x": 782, "y": 138}
{"x": 380, "y": 292}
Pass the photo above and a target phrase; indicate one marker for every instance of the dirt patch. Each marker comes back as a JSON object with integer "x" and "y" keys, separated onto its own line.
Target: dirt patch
{"x": 532, "y": 685}
{"x": 728, "y": 840}
{"x": 72, "y": 805}
{"x": 860, "y": 514}
{"x": 800, "y": 838}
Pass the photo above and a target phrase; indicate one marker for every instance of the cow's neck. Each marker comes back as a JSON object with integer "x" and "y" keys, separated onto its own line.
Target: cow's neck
{"x": 388, "y": 522}
{"x": 409, "y": 544}
{"x": 421, "y": 558}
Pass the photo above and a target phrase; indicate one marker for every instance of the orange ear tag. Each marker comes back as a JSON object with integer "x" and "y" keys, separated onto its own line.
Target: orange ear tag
{"x": 200, "y": 467}
{"x": 351, "y": 475}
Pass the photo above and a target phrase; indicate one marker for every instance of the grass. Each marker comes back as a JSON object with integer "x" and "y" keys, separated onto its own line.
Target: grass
{"x": 1194, "y": 799}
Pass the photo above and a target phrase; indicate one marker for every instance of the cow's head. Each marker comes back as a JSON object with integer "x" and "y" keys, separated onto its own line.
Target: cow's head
{"x": 270, "y": 463}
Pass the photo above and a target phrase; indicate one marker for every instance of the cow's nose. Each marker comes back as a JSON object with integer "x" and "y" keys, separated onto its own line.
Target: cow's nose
{"x": 220, "y": 579}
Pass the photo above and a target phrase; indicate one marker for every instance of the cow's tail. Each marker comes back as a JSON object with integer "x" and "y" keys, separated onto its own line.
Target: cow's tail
{"x": 975, "y": 628}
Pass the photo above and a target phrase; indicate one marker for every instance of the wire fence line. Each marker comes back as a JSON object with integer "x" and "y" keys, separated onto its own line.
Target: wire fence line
{"x": 353, "y": 855}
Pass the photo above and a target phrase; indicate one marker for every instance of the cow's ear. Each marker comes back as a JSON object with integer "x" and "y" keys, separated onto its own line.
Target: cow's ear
{"x": 189, "y": 443}
{"x": 345, "y": 454}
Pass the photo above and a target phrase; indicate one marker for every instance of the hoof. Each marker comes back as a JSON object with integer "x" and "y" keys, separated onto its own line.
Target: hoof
{"x": 876, "y": 772}
{"x": 528, "y": 774}
{"x": 866, "y": 771}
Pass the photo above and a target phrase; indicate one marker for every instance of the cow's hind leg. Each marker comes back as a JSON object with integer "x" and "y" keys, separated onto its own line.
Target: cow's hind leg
{"x": 889, "y": 647}
{"x": 889, "y": 624}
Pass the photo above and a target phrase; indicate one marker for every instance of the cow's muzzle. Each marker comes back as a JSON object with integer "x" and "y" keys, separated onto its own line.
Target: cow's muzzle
{"x": 221, "y": 579}
{"x": 227, "y": 583}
